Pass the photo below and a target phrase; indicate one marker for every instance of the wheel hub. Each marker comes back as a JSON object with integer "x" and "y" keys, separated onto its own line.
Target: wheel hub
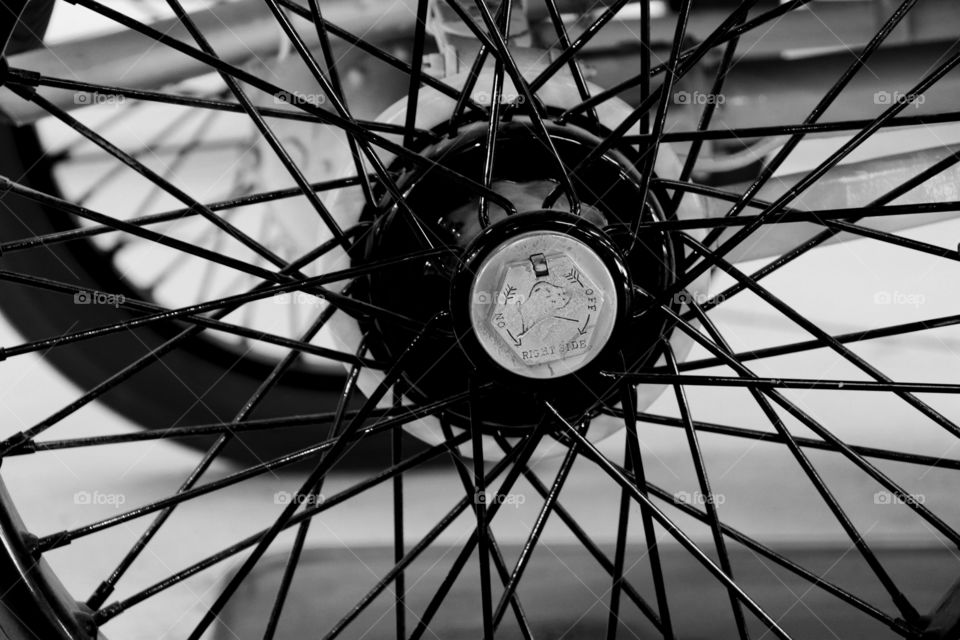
{"x": 539, "y": 302}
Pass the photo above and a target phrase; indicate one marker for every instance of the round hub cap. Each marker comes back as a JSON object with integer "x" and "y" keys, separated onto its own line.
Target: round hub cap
{"x": 543, "y": 304}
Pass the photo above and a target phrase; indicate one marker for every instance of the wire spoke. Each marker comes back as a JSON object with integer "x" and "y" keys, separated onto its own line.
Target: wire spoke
{"x": 200, "y": 430}
{"x": 399, "y": 544}
{"x": 820, "y": 334}
{"x": 296, "y": 100}
{"x": 319, "y": 472}
{"x": 57, "y": 237}
{"x": 30, "y": 79}
{"x": 497, "y": 45}
{"x": 746, "y": 133}
{"x": 896, "y": 624}
{"x": 811, "y": 178}
{"x": 493, "y": 120}
{"x": 678, "y": 68}
{"x": 192, "y": 312}
{"x": 533, "y": 538}
{"x": 806, "y": 420}
{"x": 340, "y": 107}
{"x": 810, "y": 443}
{"x": 686, "y": 54}
{"x": 419, "y": 459}
{"x": 588, "y": 543}
{"x": 635, "y": 456}
{"x": 785, "y": 383}
{"x": 293, "y": 558}
{"x": 703, "y": 124}
{"x": 646, "y": 504}
{"x": 530, "y": 442}
{"x": 523, "y": 453}
{"x": 703, "y": 482}
{"x": 380, "y": 54}
{"x": 472, "y": 489}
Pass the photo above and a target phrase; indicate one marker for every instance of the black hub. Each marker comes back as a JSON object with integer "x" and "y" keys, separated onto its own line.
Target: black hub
{"x": 536, "y": 304}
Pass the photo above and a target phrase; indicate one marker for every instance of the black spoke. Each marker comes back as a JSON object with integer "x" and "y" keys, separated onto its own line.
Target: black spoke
{"x": 191, "y": 312}
{"x": 493, "y": 120}
{"x": 703, "y": 482}
{"x": 896, "y": 624}
{"x": 646, "y": 503}
{"x": 319, "y": 472}
{"x": 331, "y": 92}
{"x": 326, "y": 117}
{"x": 706, "y": 116}
{"x": 747, "y": 133}
{"x": 677, "y": 68}
{"x": 814, "y": 330}
{"x": 30, "y": 80}
{"x": 811, "y": 178}
{"x": 635, "y": 456}
{"x": 583, "y": 538}
{"x": 527, "y": 448}
{"x": 645, "y": 75}
{"x": 714, "y": 346}
{"x": 48, "y": 239}
{"x": 475, "y": 488}
{"x": 523, "y": 457}
{"x": 419, "y": 459}
{"x": 531, "y": 542}
{"x": 399, "y": 539}
{"x": 293, "y": 558}
{"x": 809, "y": 443}
{"x": 497, "y": 44}
{"x": 785, "y": 383}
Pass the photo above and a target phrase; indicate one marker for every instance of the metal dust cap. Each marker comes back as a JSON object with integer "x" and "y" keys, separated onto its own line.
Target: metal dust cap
{"x": 544, "y": 304}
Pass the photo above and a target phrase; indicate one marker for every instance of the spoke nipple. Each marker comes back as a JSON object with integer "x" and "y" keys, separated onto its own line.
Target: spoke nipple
{"x": 100, "y": 596}
{"x": 109, "y": 611}
{"x": 32, "y": 543}
{"x": 52, "y": 541}
{"x": 3, "y": 352}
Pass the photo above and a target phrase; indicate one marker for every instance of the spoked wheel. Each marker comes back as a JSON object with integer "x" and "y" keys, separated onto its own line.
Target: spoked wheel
{"x": 488, "y": 235}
